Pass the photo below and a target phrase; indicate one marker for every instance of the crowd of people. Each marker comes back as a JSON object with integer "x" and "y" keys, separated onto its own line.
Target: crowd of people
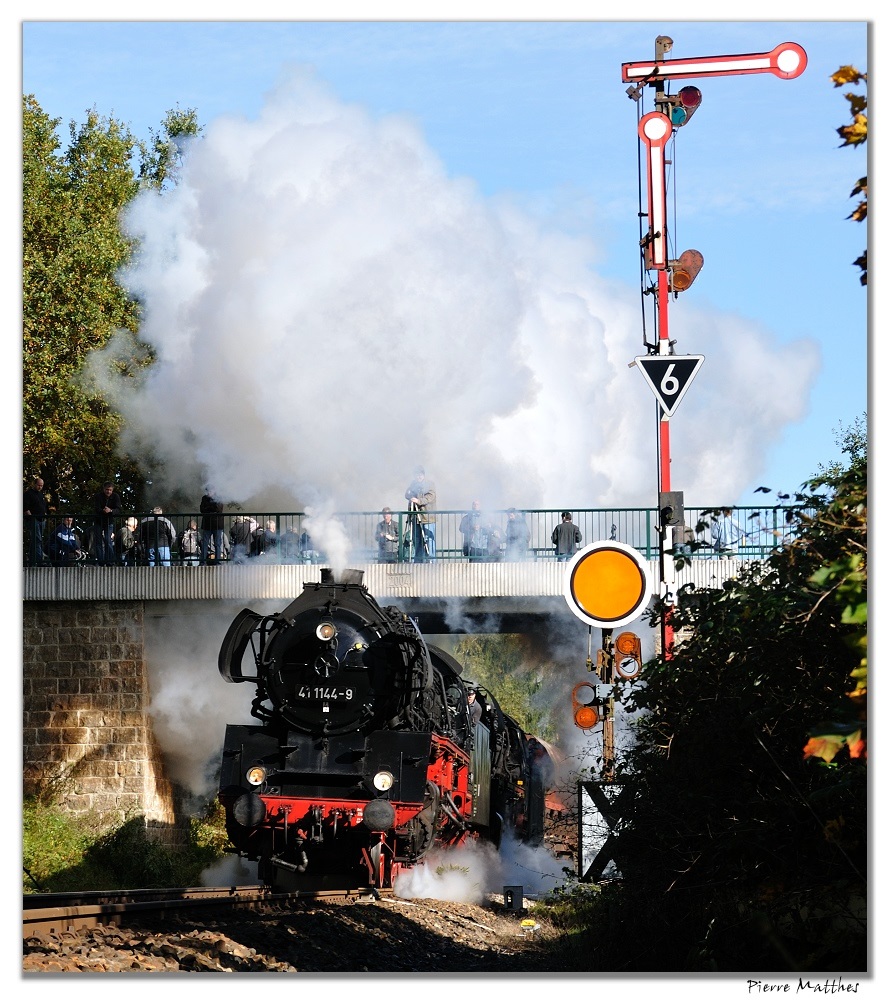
{"x": 109, "y": 537}
{"x": 112, "y": 538}
{"x": 483, "y": 539}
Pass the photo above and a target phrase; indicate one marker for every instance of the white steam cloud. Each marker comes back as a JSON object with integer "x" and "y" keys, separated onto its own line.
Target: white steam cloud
{"x": 475, "y": 869}
{"x": 190, "y": 703}
{"x": 329, "y": 308}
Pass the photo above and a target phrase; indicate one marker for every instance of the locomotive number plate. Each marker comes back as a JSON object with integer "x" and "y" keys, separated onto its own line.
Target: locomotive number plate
{"x": 323, "y": 693}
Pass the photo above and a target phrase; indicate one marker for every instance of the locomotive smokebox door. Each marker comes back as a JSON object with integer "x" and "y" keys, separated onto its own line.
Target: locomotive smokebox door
{"x": 514, "y": 897}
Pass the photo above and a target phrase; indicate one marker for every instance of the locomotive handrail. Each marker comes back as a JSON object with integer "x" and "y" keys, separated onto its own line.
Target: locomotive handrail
{"x": 765, "y": 529}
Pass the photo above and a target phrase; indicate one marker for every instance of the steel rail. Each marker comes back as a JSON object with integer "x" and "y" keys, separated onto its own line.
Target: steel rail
{"x": 60, "y": 913}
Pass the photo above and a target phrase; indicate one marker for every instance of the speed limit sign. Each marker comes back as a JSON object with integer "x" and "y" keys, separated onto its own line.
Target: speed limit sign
{"x": 670, "y": 375}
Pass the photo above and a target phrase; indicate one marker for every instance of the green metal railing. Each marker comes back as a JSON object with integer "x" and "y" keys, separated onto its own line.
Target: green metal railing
{"x": 766, "y": 528}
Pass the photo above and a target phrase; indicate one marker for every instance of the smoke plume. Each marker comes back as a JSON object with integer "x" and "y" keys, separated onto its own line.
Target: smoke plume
{"x": 328, "y": 308}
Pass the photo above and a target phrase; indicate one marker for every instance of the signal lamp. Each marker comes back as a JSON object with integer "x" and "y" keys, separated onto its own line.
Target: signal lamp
{"x": 628, "y": 656}
{"x": 683, "y": 105}
{"x": 256, "y": 775}
{"x": 685, "y": 270}
{"x": 326, "y": 631}
{"x": 583, "y": 706}
{"x": 627, "y": 644}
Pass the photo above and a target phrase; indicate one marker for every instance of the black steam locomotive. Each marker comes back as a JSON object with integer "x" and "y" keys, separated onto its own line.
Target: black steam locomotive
{"x": 371, "y": 750}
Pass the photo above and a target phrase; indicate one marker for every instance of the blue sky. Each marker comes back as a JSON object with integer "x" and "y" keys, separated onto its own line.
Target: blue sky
{"x": 535, "y": 113}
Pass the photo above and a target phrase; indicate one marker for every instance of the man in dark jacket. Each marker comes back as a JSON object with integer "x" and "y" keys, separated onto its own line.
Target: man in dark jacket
{"x": 157, "y": 536}
{"x": 241, "y": 533}
{"x": 566, "y": 537}
{"x": 212, "y": 527}
{"x": 65, "y": 544}
{"x": 106, "y": 506}
{"x": 35, "y": 521}
{"x": 387, "y": 537}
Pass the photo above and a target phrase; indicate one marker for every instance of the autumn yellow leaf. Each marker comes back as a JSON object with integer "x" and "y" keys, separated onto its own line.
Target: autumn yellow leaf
{"x": 846, "y": 74}
{"x": 856, "y": 133}
{"x": 857, "y": 745}
{"x": 825, "y": 747}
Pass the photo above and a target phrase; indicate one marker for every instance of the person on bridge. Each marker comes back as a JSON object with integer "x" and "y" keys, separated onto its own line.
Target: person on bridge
{"x": 35, "y": 522}
{"x": 479, "y": 539}
{"x": 127, "y": 543}
{"x": 190, "y": 544}
{"x": 157, "y": 535}
{"x": 682, "y": 540}
{"x": 468, "y": 524}
{"x": 290, "y": 545}
{"x": 422, "y": 498}
{"x": 65, "y": 545}
{"x": 212, "y": 528}
{"x": 518, "y": 535}
{"x": 241, "y": 532}
{"x": 106, "y": 506}
{"x": 265, "y": 541}
{"x": 566, "y": 537}
{"x": 725, "y": 533}
{"x": 496, "y": 543}
{"x": 387, "y": 537}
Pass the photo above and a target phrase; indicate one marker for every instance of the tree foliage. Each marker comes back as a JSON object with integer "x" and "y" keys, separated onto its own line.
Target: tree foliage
{"x": 72, "y": 304}
{"x": 746, "y": 827}
{"x": 854, "y": 134}
{"x": 509, "y": 667}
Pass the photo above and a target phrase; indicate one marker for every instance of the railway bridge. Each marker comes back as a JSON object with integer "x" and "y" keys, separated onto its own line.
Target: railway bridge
{"x": 442, "y": 596}
{"x": 92, "y": 708}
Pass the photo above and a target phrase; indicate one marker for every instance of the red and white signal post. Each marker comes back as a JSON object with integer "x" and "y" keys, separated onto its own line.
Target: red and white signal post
{"x": 669, "y": 375}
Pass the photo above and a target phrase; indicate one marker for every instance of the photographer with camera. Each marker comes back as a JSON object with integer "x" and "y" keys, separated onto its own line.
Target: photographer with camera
{"x": 421, "y": 499}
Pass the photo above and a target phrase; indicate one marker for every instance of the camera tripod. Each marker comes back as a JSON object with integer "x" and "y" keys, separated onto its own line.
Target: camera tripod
{"x": 416, "y": 529}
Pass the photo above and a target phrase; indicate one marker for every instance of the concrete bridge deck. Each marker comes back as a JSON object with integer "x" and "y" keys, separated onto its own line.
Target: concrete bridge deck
{"x": 446, "y": 596}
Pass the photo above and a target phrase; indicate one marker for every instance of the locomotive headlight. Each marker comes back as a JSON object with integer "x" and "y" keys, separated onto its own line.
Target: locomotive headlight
{"x": 326, "y": 631}
{"x": 383, "y": 780}
{"x": 256, "y": 775}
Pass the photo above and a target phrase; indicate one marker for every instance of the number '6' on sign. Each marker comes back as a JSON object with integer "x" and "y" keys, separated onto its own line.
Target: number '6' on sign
{"x": 669, "y": 376}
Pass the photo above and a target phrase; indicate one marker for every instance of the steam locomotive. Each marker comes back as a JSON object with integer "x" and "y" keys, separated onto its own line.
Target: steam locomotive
{"x": 370, "y": 750}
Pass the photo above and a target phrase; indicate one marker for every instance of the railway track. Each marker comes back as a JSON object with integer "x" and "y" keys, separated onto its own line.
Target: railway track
{"x": 58, "y": 912}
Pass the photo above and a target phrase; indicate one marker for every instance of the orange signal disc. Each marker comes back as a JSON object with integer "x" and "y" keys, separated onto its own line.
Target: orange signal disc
{"x": 607, "y": 584}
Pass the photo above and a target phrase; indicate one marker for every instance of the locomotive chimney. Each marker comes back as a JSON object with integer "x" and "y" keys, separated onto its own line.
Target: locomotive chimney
{"x": 347, "y": 576}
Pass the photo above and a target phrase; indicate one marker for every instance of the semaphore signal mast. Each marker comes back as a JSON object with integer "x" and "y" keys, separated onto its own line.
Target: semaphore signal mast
{"x": 606, "y": 584}
{"x": 668, "y": 374}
